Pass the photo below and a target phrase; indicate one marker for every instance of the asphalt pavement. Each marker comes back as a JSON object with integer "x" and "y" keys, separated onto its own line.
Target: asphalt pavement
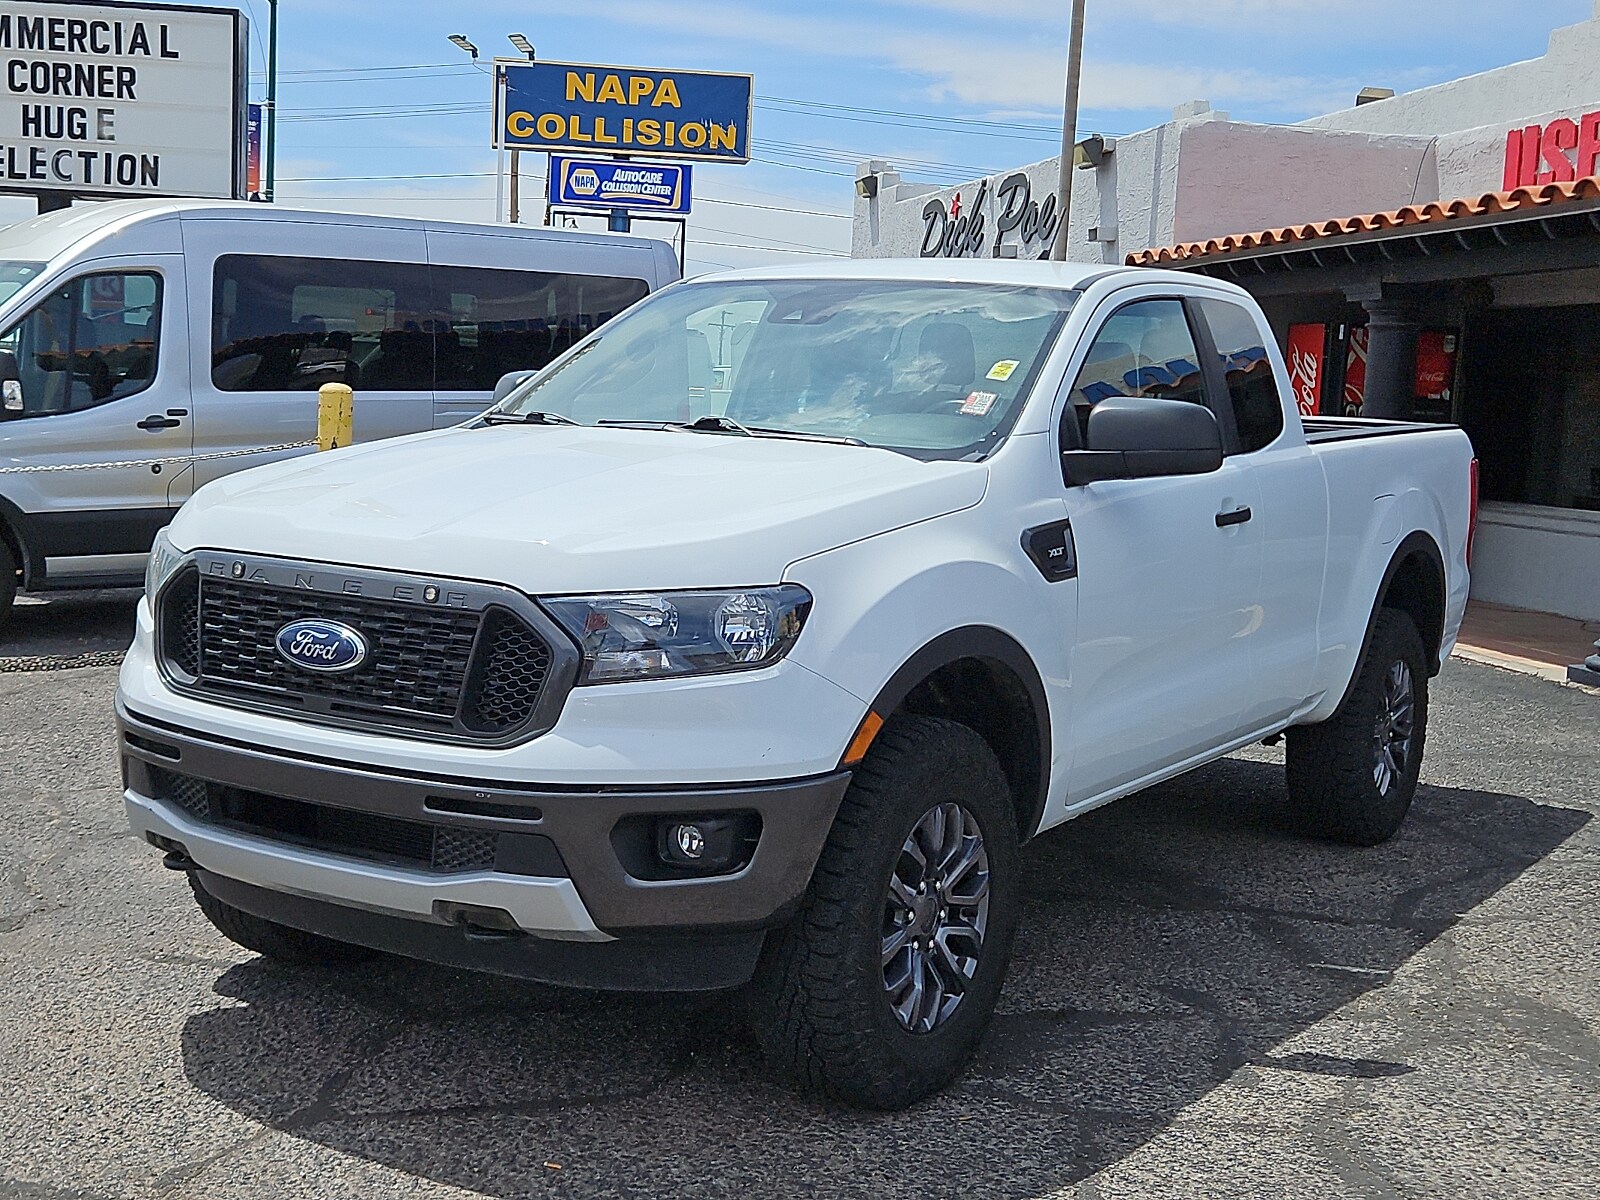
{"x": 1202, "y": 1005}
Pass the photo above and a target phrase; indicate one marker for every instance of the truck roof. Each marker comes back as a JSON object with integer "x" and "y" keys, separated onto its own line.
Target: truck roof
{"x": 1026, "y": 272}
{"x": 49, "y": 235}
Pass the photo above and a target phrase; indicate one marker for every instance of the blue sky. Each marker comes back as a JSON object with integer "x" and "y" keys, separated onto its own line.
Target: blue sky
{"x": 372, "y": 91}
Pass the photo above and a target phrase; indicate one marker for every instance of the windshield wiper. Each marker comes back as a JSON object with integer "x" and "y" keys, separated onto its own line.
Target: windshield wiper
{"x": 715, "y": 424}
{"x": 527, "y": 418}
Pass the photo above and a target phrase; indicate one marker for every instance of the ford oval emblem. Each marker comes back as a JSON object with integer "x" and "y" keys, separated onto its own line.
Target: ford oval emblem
{"x": 325, "y": 646}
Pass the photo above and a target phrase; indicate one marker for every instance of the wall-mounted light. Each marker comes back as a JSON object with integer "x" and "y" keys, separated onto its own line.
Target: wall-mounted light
{"x": 521, "y": 43}
{"x": 1371, "y": 95}
{"x": 459, "y": 40}
{"x": 867, "y": 187}
{"x": 1092, "y": 151}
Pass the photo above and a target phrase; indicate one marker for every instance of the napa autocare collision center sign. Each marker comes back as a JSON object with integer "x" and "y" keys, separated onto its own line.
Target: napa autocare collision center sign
{"x": 121, "y": 100}
{"x": 623, "y": 110}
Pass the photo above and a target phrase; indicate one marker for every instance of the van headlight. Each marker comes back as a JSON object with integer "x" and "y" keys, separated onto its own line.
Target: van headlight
{"x": 165, "y": 558}
{"x": 654, "y": 635}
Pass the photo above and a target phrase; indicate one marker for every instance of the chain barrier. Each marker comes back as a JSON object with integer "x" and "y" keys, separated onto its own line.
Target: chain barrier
{"x": 186, "y": 459}
{"x": 60, "y": 662}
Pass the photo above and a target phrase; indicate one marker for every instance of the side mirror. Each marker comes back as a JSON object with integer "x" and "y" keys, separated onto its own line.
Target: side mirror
{"x": 510, "y": 382}
{"x": 1136, "y": 437}
{"x": 10, "y": 385}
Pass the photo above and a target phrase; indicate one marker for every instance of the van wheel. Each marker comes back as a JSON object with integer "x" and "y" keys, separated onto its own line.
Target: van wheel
{"x": 1352, "y": 777}
{"x": 280, "y": 942}
{"x": 879, "y": 990}
{"x": 8, "y": 581}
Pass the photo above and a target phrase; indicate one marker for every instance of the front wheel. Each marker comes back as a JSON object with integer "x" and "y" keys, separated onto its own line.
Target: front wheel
{"x": 879, "y": 991}
{"x": 280, "y": 942}
{"x": 1352, "y": 777}
{"x": 8, "y": 581}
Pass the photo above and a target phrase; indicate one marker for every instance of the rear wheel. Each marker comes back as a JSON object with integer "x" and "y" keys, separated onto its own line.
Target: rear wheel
{"x": 1352, "y": 777}
{"x": 879, "y": 991}
{"x": 281, "y": 942}
{"x": 8, "y": 581}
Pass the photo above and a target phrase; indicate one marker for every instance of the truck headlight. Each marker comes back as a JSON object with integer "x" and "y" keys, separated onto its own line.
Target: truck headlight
{"x": 164, "y": 560}
{"x": 663, "y": 634}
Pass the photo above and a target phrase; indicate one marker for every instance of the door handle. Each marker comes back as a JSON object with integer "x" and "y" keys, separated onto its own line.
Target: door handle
{"x": 1237, "y": 517}
{"x": 156, "y": 421}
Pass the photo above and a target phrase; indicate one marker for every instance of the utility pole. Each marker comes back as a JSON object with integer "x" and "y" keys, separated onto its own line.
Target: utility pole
{"x": 269, "y": 184}
{"x": 1069, "y": 135}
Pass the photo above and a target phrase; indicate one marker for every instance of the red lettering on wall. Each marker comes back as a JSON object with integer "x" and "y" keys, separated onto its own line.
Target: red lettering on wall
{"x": 1560, "y": 152}
{"x": 1560, "y": 136}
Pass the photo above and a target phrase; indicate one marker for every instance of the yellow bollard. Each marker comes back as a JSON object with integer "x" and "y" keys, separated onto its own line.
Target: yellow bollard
{"x": 335, "y": 416}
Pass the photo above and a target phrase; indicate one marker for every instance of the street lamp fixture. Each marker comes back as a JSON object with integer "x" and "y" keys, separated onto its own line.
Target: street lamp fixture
{"x": 521, "y": 43}
{"x": 460, "y": 41}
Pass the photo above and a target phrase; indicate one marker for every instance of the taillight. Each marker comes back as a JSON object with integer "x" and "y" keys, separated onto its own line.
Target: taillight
{"x": 1472, "y": 511}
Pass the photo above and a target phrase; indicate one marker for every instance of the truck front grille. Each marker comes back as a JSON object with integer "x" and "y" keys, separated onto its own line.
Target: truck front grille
{"x": 459, "y": 674}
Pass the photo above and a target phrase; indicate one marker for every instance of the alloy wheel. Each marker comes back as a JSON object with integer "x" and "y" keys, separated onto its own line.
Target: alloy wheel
{"x": 934, "y": 917}
{"x": 1395, "y": 728}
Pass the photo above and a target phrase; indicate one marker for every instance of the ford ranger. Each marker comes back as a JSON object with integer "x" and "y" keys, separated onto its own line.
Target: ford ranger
{"x": 744, "y": 645}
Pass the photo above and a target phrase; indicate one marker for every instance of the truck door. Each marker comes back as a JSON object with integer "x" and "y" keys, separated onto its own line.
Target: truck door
{"x": 1168, "y": 573}
{"x": 96, "y": 447}
{"x": 1291, "y": 518}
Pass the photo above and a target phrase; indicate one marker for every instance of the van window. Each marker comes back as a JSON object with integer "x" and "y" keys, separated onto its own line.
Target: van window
{"x": 1257, "y": 406}
{"x": 499, "y": 321}
{"x": 283, "y": 324}
{"x": 90, "y": 341}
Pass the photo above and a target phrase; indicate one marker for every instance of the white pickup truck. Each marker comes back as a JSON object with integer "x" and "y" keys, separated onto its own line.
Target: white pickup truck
{"x": 638, "y": 684}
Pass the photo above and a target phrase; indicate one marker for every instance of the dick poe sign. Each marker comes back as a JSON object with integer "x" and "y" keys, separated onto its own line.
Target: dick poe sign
{"x": 623, "y": 110}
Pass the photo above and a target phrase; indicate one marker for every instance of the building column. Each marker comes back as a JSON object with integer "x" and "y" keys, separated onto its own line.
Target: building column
{"x": 1391, "y": 361}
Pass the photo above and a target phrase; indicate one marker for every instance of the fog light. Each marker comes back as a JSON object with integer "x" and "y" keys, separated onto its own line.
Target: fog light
{"x": 705, "y": 845}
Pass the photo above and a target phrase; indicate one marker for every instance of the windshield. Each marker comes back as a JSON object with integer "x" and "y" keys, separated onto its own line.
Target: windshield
{"x": 14, "y": 276}
{"x": 937, "y": 370}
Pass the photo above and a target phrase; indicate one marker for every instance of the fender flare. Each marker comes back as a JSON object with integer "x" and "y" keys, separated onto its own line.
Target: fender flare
{"x": 987, "y": 644}
{"x": 1414, "y": 544}
{"x": 14, "y": 528}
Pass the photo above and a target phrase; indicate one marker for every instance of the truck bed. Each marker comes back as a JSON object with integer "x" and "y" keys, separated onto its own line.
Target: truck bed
{"x": 1343, "y": 429}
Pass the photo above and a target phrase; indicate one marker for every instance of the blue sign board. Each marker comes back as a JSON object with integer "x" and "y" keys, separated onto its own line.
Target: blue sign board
{"x": 607, "y": 183}
{"x": 623, "y": 110}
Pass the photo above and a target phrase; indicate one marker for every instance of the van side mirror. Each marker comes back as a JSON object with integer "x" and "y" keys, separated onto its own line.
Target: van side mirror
{"x": 1138, "y": 437}
{"x": 510, "y": 382}
{"x": 10, "y": 385}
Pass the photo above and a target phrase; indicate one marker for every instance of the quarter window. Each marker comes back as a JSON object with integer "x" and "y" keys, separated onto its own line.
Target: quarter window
{"x": 88, "y": 342}
{"x": 1252, "y": 386}
{"x": 1144, "y": 349}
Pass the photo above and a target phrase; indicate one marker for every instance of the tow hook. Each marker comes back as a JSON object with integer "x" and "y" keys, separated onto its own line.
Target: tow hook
{"x": 477, "y": 922}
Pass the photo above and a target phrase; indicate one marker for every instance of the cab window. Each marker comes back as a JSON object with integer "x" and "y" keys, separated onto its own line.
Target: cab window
{"x": 89, "y": 341}
{"x": 1144, "y": 349}
{"x": 1252, "y": 387}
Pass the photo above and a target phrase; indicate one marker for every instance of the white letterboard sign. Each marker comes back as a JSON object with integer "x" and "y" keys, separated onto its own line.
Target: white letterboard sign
{"x": 121, "y": 100}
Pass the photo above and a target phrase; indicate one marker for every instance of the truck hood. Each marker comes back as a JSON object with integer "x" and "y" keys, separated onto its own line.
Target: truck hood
{"x": 563, "y": 509}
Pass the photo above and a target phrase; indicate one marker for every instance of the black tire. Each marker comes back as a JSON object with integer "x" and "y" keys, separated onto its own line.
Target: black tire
{"x": 820, "y": 1004}
{"x": 8, "y": 581}
{"x": 1333, "y": 767}
{"x": 279, "y": 942}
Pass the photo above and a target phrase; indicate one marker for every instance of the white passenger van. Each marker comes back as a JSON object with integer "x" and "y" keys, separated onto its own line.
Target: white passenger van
{"x": 148, "y": 347}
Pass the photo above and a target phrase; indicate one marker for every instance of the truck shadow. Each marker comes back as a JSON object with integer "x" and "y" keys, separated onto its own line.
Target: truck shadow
{"x": 1169, "y": 941}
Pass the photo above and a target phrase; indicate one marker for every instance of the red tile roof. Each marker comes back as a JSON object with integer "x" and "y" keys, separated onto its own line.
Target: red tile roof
{"x": 1412, "y": 214}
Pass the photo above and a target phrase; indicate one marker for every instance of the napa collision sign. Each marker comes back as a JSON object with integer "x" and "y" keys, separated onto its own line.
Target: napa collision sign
{"x": 122, "y": 100}
{"x": 610, "y": 183}
{"x": 622, "y": 110}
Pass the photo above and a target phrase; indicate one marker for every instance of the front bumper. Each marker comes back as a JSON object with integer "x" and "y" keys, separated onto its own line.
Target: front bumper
{"x": 581, "y": 894}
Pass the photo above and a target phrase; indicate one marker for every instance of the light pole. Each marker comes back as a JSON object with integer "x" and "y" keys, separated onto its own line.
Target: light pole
{"x": 460, "y": 42}
{"x": 1069, "y": 135}
{"x": 269, "y": 184}
{"x": 523, "y": 45}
